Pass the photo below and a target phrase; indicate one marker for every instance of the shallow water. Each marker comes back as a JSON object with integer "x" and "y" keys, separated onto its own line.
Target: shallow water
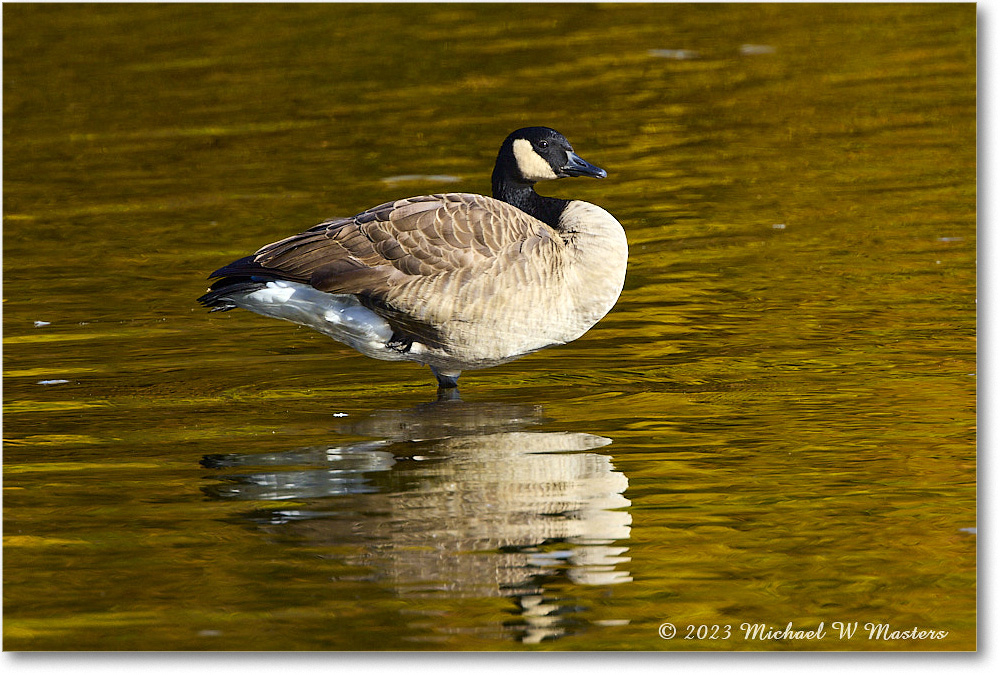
{"x": 775, "y": 424}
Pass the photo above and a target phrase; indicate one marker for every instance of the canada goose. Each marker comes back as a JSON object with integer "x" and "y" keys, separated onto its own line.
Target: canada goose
{"x": 455, "y": 281}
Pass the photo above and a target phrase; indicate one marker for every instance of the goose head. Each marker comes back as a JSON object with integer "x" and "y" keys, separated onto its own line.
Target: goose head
{"x": 534, "y": 154}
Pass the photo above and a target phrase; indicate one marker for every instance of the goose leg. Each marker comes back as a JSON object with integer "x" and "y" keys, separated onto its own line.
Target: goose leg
{"x": 446, "y": 379}
{"x": 444, "y": 395}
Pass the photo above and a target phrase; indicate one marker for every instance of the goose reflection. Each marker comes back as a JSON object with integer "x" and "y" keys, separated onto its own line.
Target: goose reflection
{"x": 455, "y": 498}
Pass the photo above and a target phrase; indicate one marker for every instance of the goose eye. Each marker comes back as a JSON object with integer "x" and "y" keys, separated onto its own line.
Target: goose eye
{"x": 543, "y": 144}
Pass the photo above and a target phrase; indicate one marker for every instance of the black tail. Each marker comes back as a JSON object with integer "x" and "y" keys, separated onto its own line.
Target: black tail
{"x": 239, "y": 276}
{"x": 244, "y": 267}
{"x": 219, "y": 296}
{"x": 245, "y": 275}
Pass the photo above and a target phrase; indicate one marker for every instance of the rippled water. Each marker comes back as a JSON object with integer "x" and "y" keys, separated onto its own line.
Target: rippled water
{"x": 776, "y": 423}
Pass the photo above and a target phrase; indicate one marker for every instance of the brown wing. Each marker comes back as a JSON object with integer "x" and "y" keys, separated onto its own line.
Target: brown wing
{"x": 415, "y": 237}
{"x": 393, "y": 255}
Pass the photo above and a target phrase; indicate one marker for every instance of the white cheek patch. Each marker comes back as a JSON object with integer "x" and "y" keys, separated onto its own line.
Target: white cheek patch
{"x": 530, "y": 164}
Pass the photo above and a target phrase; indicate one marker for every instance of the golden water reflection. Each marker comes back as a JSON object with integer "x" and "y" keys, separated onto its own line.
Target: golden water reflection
{"x": 456, "y": 498}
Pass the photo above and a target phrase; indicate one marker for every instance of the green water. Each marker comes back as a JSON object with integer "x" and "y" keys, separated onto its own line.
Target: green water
{"x": 775, "y": 424}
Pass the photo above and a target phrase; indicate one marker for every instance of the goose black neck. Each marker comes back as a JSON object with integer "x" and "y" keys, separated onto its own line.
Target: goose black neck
{"x": 523, "y": 196}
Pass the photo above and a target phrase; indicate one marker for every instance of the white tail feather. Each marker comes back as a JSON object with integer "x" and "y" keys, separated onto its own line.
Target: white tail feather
{"x": 342, "y": 317}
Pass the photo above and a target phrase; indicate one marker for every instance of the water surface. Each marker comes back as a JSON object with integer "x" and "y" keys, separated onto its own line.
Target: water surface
{"x": 775, "y": 424}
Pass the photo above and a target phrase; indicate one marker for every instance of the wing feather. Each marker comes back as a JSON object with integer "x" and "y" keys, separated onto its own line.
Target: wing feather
{"x": 419, "y": 236}
{"x": 441, "y": 240}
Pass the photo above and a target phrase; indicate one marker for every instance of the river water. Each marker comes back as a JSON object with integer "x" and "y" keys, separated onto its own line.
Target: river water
{"x": 776, "y": 424}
